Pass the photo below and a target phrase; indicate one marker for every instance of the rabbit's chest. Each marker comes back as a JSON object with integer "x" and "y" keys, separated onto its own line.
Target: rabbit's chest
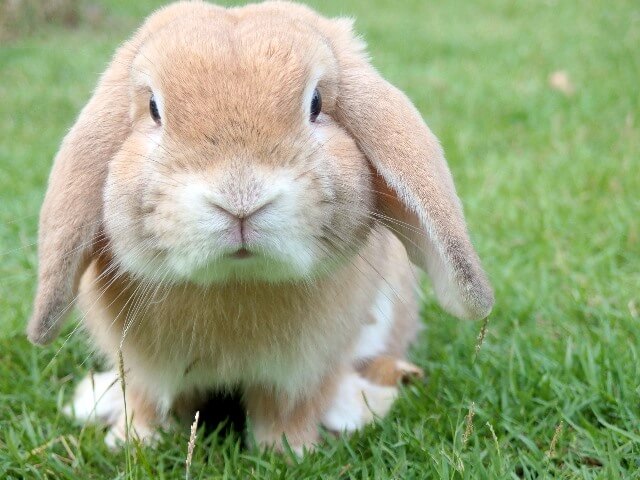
{"x": 288, "y": 345}
{"x": 184, "y": 338}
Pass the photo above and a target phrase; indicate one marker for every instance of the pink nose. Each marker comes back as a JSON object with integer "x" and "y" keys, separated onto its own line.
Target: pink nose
{"x": 240, "y": 219}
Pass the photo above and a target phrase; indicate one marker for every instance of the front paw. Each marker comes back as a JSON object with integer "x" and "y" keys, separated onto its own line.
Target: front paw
{"x": 141, "y": 432}
{"x": 281, "y": 438}
{"x": 97, "y": 399}
{"x": 279, "y": 421}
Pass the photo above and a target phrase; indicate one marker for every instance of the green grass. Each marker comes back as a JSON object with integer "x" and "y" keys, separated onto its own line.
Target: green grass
{"x": 550, "y": 184}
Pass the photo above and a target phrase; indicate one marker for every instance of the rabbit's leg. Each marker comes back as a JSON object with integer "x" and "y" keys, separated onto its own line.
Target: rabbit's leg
{"x": 274, "y": 415}
{"x": 388, "y": 370}
{"x": 142, "y": 421}
{"x": 98, "y": 399}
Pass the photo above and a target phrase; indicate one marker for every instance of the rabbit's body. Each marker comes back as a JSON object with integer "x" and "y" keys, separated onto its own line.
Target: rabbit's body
{"x": 240, "y": 203}
{"x": 181, "y": 340}
{"x": 186, "y": 337}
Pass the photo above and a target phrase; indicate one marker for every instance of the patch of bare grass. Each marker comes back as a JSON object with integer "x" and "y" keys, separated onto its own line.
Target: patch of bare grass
{"x": 20, "y": 18}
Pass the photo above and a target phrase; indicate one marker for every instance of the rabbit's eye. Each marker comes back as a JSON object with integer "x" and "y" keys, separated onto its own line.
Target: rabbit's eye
{"x": 316, "y": 105}
{"x": 153, "y": 109}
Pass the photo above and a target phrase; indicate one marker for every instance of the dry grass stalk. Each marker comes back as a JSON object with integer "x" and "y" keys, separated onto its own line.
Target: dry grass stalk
{"x": 38, "y": 450}
{"x": 468, "y": 430}
{"x": 554, "y": 440}
{"x": 192, "y": 444}
{"x": 123, "y": 385}
{"x": 481, "y": 337}
{"x": 495, "y": 439}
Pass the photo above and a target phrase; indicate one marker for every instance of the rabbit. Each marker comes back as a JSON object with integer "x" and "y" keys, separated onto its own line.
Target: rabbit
{"x": 240, "y": 205}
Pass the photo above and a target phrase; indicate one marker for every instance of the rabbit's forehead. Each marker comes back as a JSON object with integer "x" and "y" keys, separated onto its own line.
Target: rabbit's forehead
{"x": 217, "y": 56}
{"x": 248, "y": 72}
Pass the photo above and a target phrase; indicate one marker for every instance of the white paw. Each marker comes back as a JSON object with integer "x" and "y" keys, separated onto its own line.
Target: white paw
{"x": 357, "y": 402}
{"x": 116, "y": 437}
{"x": 97, "y": 399}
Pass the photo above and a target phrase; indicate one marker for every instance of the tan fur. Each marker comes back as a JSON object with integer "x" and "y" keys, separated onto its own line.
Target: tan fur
{"x": 405, "y": 308}
{"x": 230, "y": 85}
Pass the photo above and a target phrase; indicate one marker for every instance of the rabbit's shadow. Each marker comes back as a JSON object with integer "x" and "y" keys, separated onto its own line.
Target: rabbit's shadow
{"x": 223, "y": 413}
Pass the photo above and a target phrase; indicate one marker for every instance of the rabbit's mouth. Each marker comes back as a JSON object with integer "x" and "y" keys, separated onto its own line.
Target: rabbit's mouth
{"x": 241, "y": 254}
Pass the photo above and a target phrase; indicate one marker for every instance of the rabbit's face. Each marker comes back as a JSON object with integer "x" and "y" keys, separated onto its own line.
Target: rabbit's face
{"x": 234, "y": 170}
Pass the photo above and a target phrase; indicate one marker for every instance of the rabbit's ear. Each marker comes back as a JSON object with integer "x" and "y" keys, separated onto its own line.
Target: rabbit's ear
{"x": 71, "y": 215}
{"x": 70, "y": 218}
{"x": 417, "y": 199}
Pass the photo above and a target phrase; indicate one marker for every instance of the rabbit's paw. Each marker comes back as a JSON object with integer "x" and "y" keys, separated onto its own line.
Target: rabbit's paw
{"x": 357, "y": 402}
{"x": 97, "y": 399}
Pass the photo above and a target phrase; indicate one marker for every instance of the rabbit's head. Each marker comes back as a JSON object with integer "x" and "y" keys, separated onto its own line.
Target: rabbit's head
{"x": 234, "y": 167}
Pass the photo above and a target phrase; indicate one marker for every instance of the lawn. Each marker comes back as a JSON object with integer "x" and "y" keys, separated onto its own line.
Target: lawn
{"x": 549, "y": 174}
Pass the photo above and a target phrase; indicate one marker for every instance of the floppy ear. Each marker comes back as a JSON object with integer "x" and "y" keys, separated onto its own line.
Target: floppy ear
{"x": 71, "y": 215}
{"x": 70, "y": 218}
{"x": 417, "y": 198}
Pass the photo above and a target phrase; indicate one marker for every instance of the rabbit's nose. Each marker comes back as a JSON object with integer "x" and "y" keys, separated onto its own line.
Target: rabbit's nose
{"x": 241, "y": 231}
{"x": 240, "y": 214}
